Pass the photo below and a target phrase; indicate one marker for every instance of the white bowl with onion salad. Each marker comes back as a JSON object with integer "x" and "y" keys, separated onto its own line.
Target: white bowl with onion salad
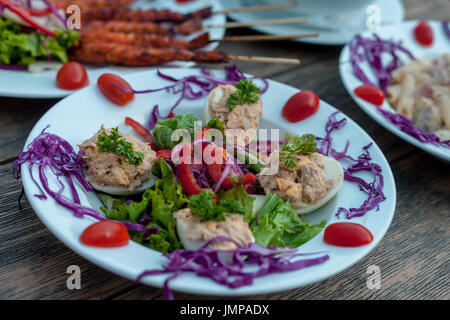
{"x": 317, "y": 260}
{"x": 428, "y": 135}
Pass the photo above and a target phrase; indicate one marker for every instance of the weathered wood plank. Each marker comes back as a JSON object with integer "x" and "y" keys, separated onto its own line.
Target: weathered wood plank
{"x": 17, "y": 118}
{"x": 33, "y": 262}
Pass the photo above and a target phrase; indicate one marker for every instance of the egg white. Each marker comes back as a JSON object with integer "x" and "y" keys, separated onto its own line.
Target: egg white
{"x": 123, "y": 191}
{"x": 333, "y": 171}
{"x": 206, "y": 113}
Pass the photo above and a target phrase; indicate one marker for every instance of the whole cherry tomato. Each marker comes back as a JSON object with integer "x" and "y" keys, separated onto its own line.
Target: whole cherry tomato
{"x": 115, "y": 89}
{"x": 370, "y": 93}
{"x": 300, "y": 106}
{"x": 424, "y": 34}
{"x": 105, "y": 233}
{"x": 72, "y": 76}
{"x": 347, "y": 234}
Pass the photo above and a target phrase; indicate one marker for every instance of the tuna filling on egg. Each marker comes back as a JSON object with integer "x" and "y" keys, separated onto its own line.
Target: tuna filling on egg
{"x": 109, "y": 169}
{"x": 244, "y": 119}
{"x": 305, "y": 184}
{"x": 233, "y": 227}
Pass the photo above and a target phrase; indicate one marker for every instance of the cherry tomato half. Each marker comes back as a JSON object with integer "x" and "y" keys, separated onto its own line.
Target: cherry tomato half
{"x": 424, "y": 34}
{"x": 72, "y": 76}
{"x": 105, "y": 233}
{"x": 347, "y": 234}
{"x": 370, "y": 93}
{"x": 300, "y": 106}
{"x": 115, "y": 89}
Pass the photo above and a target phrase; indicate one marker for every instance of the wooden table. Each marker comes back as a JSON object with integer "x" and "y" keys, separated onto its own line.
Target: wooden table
{"x": 413, "y": 256}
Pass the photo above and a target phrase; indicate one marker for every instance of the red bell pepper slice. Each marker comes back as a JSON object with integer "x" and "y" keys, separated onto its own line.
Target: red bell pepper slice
{"x": 141, "y": 131}
{"x": 187, "y": 179}
{"x": 165, "y": 153}
{"x": 26, "y": 17}
{"x": 247, "y": 178}
{"x": 190, "y": 185}
{"x": 45, "y": 11}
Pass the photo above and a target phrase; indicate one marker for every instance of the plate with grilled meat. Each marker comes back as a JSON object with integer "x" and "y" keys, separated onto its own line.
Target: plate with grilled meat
{"x": 108, "y": 36}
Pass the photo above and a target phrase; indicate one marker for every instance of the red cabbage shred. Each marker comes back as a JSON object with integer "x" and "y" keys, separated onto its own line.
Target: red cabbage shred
{"x": 373, "y": 189}
{"x": 370, "y": 50}
{"x": 206, "y": 262}
{"x": 52, "y": 154}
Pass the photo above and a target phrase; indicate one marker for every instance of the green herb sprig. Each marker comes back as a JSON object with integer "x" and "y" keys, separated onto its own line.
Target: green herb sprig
{"x": 247, "y": 93}
{"x": 115, "y": 143}
{"x": 304, "y": 145}
{"x": 204, "y": 206}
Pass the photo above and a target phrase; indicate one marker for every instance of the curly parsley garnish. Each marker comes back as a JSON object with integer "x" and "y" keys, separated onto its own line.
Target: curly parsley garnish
{"x": 215, "y": 123}
{"x": 204, "y": 206}
{"x": 115, "y": 143}
{"x": 247, "y": 93}
{"x": 304, "y": 145}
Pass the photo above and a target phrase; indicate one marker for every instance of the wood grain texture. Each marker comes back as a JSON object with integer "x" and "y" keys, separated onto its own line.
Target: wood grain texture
{"x": 413, "y": 256}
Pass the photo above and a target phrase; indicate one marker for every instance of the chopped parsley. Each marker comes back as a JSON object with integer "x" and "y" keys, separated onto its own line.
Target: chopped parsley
{"x": 204, "y": 206}
{"x": 304, "y": 145}
{"x": 247, "y": 93}
{"x": 215, "y": 123}
{"x": 115, "y": 143}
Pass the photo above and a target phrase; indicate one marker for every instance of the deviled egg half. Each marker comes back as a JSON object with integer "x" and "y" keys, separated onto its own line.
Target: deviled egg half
{"x": 242, "y": 118}
{"x": 194, "y": 233}
{"x": 118, "y": 174}
{"x": 314, "y": 181}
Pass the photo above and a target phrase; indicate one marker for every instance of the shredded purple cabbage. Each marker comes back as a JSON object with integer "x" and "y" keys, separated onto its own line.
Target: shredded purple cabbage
{"x": 203, "y": 180}
{"x": 13, "y": 67}
{"x": 373, "y": 189}
{"x": 446, "y": 27}
{"x": 370, "y": 50}
{"x": 195, "y": 87}
{"x": 209, "y": 263}
{"x": 52, "y": 154}
{"x": 407, "y": 125}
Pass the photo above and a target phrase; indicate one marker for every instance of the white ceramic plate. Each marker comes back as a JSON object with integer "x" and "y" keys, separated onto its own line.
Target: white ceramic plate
{"x": 391, "y": 11}
{"x": 23, "y": 84}
{"x": 404, "y": 32}
{"x": 80, "y": 115}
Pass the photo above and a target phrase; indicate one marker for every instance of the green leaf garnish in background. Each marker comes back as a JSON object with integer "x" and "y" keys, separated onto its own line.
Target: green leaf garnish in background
{"x": 247, "y": 93}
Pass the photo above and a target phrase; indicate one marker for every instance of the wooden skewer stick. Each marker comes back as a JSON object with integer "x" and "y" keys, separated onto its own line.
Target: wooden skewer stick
{"x": 257, "y": 22}
{"x": 264, "y": 59}
{"x": 259, "y": 8}
{"x": 267, "y": 37}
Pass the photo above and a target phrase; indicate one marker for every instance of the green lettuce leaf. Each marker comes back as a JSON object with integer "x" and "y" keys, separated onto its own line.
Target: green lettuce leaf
{"x": 277, "y": 224}
{"x": 166, "y": 198}
{"x": 239, "y": 194}
{"x": 162, "y": 133}
{"x": 21, "y": 48}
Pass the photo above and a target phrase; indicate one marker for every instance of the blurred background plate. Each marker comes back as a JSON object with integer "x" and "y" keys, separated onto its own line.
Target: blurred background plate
{"x": 337, "y": 21}
{"x": 404, "y": 32}
{"x": 23, "y": 84}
